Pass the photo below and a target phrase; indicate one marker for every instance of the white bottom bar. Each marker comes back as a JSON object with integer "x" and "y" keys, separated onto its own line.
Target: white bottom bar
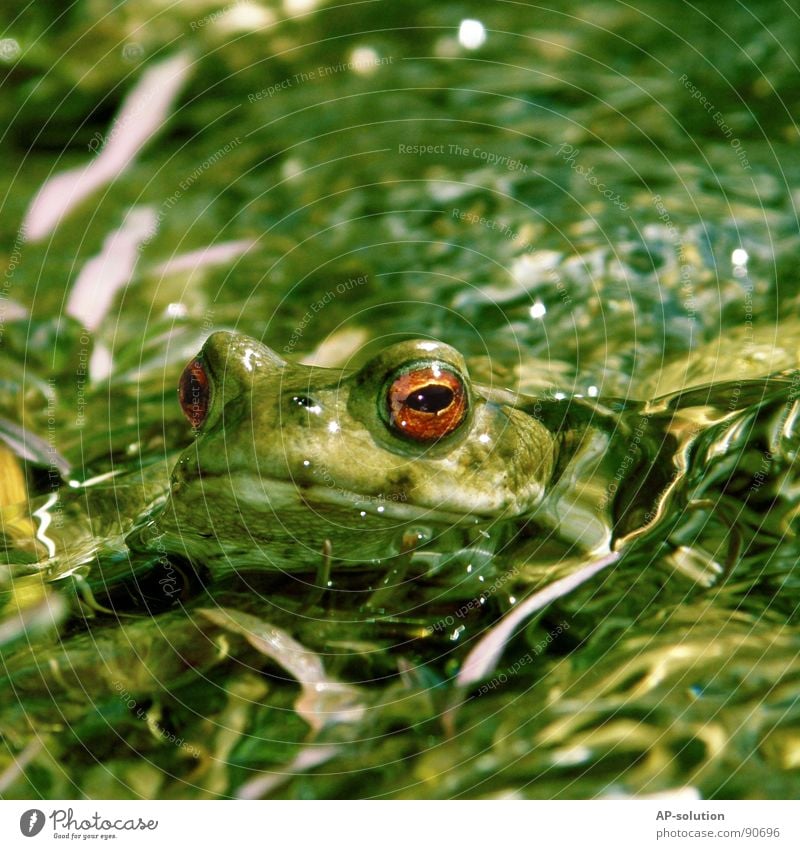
{"x": 674, "y": 822}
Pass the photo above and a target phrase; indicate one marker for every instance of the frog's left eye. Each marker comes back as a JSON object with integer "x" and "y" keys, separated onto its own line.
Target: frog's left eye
{"x": 194, "y": 392}
{"x": 427, "y": 402}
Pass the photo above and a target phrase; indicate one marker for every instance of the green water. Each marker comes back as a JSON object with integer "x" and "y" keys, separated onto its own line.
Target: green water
{"x": 563, "y": 205}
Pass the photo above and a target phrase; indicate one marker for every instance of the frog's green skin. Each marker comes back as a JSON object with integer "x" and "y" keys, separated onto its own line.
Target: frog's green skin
{"x": 270, "y": 481}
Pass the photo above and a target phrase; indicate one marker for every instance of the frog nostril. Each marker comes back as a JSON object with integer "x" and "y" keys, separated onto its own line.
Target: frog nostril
{"x": 306, "y": 402}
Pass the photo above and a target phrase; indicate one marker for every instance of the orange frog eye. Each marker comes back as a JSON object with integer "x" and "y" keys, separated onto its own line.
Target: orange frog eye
{"x": 194, "y": 392}
{"x": 427, "y": 402}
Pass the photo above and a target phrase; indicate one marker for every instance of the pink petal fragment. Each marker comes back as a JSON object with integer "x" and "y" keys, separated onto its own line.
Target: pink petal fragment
{"x": 142, "y": 114}
{"x": 323, "y": 701}
{"x": 308, "y": 759}
{"x": 17, "y": 767}
{"x": 218, "y": 254}
{"x": 483, "y": 658}
{"x": 98, "y": 281}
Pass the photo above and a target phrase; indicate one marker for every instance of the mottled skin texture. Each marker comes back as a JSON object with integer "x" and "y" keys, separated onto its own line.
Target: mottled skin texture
{"x": 270, "y": 478}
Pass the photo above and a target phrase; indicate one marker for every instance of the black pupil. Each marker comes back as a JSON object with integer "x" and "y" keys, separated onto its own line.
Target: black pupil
{"x": 304, "y": 401}
{"x": 430, "y": 399}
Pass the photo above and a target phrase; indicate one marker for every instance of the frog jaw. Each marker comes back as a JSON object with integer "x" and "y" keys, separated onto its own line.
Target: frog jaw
{"x": 282, "y": 494}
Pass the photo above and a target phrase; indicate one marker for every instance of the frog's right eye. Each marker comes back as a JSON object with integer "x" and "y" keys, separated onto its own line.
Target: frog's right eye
{"x": 194, "y": 392}
{"x": 426, "y": 401}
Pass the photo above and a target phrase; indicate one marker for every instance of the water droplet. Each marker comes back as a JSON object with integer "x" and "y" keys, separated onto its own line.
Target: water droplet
{"x": 739, "y": 256}
{"x": 471, "y": 33}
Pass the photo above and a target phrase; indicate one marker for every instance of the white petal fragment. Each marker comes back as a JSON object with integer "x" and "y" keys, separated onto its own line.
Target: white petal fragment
{"x": 323, "y": 700}
{"x": 98, "y": 281}
{"x": 483, "y": 658}
{"x": 218, "y": 254}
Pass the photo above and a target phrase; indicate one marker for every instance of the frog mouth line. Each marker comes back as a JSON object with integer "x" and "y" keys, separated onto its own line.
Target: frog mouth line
{"x": 281, "y": 494}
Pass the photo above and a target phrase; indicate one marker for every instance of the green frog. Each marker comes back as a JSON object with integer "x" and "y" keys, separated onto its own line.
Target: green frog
{"x": 291, "y": 461}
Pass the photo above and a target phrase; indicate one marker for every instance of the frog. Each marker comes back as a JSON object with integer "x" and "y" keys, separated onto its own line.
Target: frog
{"x": 294, "y": 463}
{"x": 290, "y": 461}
